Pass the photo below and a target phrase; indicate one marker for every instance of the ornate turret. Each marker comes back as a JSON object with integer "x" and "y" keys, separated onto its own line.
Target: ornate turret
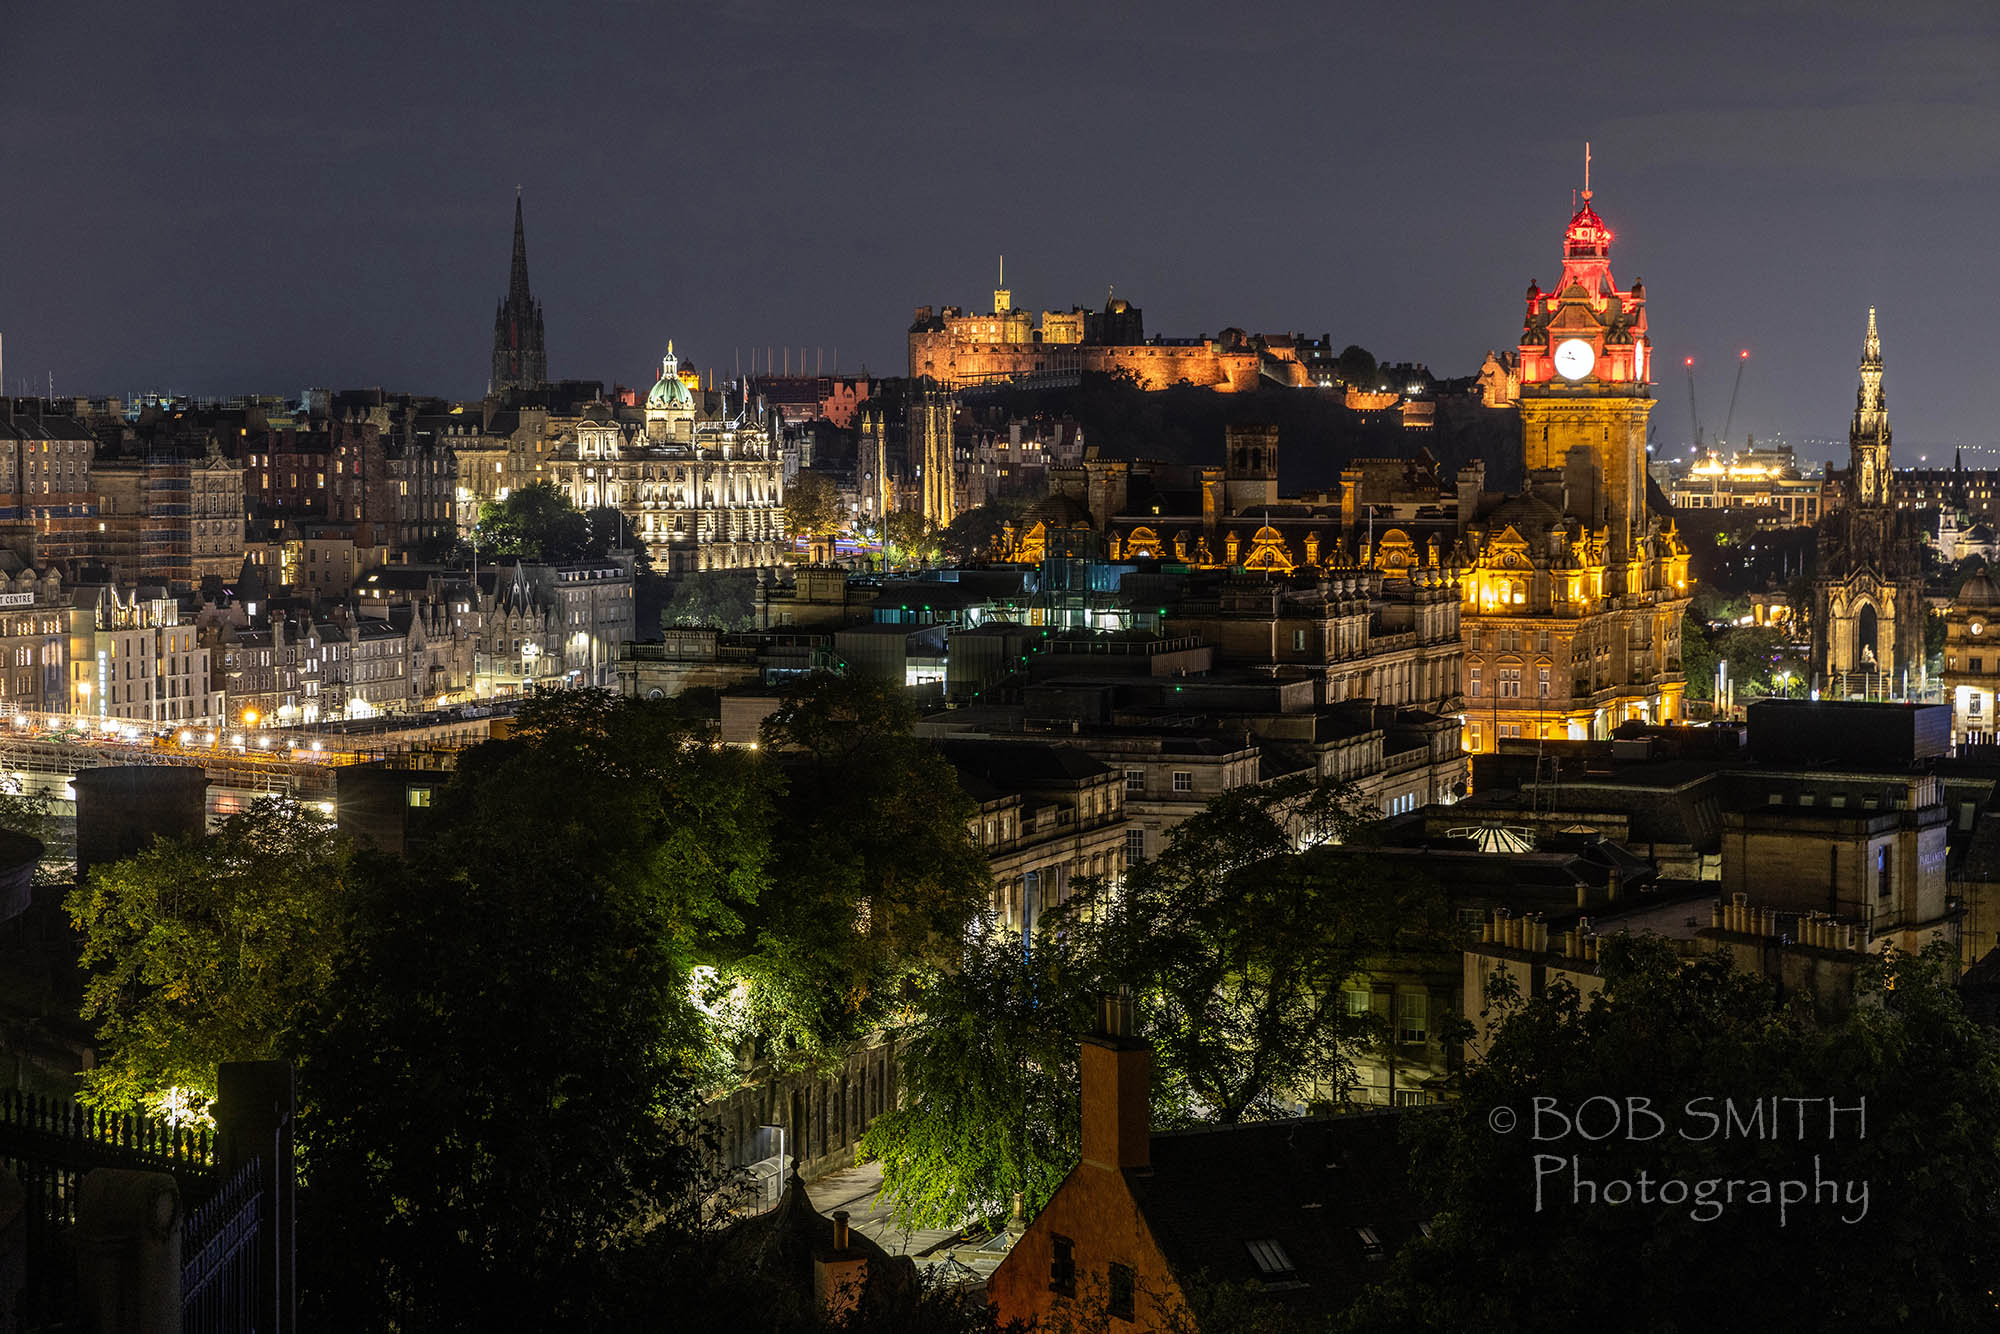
{"x": 1868, "y": 612}
{"x": 1868, "y": 439}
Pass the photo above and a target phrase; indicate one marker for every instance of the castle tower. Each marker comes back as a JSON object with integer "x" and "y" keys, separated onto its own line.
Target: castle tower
{"x": 1583, "y": 365}
{"x": 519, "y": 360}
{"x": 1868, "y": 595}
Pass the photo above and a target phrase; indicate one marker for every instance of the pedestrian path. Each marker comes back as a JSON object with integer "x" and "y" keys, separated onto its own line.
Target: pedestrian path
{"x": 855, "y": 1189}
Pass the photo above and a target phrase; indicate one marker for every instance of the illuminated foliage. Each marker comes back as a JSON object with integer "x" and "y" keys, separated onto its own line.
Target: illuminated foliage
{"x": 202, "y": 952}
{"x": 1237, "y": 946}
{"x": 812, "y": 506}
{"x": 875, "y": 874}
{"x": 989, "y": 1102}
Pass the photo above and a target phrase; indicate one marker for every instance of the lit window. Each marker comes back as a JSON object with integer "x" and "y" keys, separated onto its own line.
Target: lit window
{"x": 420, "y": 796}
{"x": 1413, "y": 1014}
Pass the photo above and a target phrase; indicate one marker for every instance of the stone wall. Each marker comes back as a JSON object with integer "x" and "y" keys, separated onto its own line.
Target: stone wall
{"x": 823, "y": 1112}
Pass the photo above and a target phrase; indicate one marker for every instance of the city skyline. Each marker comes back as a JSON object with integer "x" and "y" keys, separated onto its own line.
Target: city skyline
{"x": 1273, "y": 178}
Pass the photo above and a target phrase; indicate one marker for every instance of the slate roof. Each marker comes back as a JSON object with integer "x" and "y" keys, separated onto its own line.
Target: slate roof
{"x": 1310, "y": 1186}
{"x": 1012, "y": 765}
{"x": 779, "y": 1247}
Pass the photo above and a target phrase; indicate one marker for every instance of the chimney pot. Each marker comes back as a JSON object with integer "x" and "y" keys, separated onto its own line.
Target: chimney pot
{"x": 840, "y": 1237}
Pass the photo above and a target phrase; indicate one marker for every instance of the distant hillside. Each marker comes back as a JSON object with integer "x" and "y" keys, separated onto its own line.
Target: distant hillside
{"x": 1318, "y": 434}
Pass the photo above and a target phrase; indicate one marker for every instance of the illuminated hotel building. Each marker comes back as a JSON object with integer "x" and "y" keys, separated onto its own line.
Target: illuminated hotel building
{"x": 1570, "y": 593}
{"x": 1573, "y": 591}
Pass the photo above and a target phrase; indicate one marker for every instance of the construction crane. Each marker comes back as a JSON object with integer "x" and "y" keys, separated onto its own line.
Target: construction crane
{"x": 1742, "y": 359}
{"x": 1694, "y": 418}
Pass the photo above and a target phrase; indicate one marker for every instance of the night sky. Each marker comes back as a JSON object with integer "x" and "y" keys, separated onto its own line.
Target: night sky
{"x": 218, "y": 198}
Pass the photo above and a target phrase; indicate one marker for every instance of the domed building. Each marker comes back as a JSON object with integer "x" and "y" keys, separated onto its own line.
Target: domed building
{"x": 697, "y": 474}
{"x": 670, "y": 410}
{"x": 1972, "y": 659}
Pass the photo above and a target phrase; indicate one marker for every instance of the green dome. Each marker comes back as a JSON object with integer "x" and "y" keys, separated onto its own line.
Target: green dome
{"x": 670, "y": 391}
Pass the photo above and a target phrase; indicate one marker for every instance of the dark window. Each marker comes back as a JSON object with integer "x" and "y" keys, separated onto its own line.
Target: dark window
{"x": 1124, "y": 1284}
{"x": 1062, "y": 1267}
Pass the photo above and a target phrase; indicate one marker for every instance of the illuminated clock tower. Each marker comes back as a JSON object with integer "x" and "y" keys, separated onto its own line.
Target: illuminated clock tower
{"x": 1584, "y": 361}
{"x": 1572, "y": 591}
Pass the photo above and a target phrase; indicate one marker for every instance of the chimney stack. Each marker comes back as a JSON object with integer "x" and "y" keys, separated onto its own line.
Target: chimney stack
{"x": 1117, "y": 1071}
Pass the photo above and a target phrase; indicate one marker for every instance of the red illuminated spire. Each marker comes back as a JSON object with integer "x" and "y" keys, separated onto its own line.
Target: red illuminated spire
{"x": 1587, "y": 237}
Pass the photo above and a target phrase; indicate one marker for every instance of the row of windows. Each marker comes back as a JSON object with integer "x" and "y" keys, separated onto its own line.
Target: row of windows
{"x": 1507, "y": 684}
{"x": 1135, "y": 780}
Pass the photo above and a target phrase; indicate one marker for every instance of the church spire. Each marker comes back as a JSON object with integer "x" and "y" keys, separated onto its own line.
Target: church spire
{"x": 517, "y": 281}
{"x": 519, "y": 359}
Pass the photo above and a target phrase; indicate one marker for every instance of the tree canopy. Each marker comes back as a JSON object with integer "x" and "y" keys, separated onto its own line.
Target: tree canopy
{"x": 1241, "y": 938}
{"x": 875, "y": 874}
{"x": 975, "y": 534}
{"x": 989, "y": 1073}
{"x": 537, "y": 522}
{"x": 726, "y": 599}
{"x": 812, "y": 506}
{"x": 203, "y": 951}
{"x": 496, "y": 1094}
{"x": 1237, "y": 946}
{"x": 1907, "y": 1234}
{"x": 908, "y": 538}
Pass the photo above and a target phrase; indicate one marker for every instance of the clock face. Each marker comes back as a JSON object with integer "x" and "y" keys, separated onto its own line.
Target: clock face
{"x": 1977, "y": 627}
{"x": 1574, "y": 359}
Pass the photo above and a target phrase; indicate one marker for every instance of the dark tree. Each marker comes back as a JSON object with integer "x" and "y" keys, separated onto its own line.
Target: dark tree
{"x": 975, "y": 534}
{"x": 537, "y": 522}
{"x": 875, "y": 872}
{"x": 1241, "y": 947}
{"x": 1687, "y": 1036}
{"x": 1356, "y": 366}
{"x": 495, "y": 1092}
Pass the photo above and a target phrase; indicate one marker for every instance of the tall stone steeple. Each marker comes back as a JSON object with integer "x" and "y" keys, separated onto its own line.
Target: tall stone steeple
{"x": 1868, "y": 439}
{"x": 519, "y": 359}
{"x": 1868, "y": 593}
